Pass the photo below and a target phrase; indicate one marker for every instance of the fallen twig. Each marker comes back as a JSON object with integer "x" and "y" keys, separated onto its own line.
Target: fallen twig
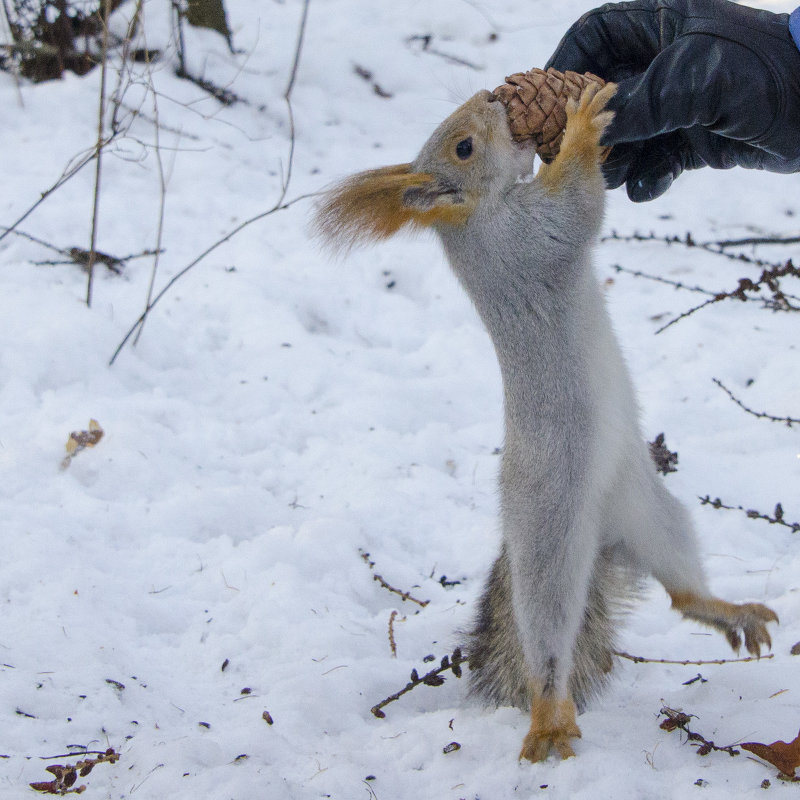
{"x": 686, "y": 663}
{"x": 432, "y": 678}
{"x": 380, "y": 579}
{"x": 392, "y": 642}
{"x": 789, "y": 421}
{"x": 776, "y": 519}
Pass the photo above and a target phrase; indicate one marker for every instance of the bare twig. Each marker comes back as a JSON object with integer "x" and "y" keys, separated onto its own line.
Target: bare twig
{"x": 658, "y": 279}
{"x": 392, "y": 642}
{"x": 678, "y": 719}
{"x": 175, "y": 278}
{"x": 432, "y": 678}
{"x": 788, "y": 421}
{"x": 769, "y": 278}
{"x": 280, "y": 204}
{"x": 776, "y": 519}
{"x": 686, "y": 241}
{"x": 424, "y": 43}
{"x": 162, "y": 184}
{"x": 99, "y": 149}
{"x": 753, "y": 240}
{"x": 67, "y": 175}
{"x": 380, "y": 579}
{"x": 686, "y": 663}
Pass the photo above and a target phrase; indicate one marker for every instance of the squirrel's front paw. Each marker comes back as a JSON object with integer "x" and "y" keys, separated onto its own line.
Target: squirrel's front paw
{"x": 586, "y": 116}
{"x": 552, "y": 726}
{"x": 734, "y": 620}
{"x": 581, "y": 153}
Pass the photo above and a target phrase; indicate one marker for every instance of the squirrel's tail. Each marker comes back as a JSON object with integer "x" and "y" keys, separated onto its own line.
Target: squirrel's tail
{"x": 497, "y": 665}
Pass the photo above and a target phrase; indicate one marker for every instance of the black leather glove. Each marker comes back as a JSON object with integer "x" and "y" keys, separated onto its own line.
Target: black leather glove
{"x": 701, "y": 83}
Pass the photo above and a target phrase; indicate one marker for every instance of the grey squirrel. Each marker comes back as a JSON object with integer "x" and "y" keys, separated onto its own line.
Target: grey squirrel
{"x": 584, "y": 514}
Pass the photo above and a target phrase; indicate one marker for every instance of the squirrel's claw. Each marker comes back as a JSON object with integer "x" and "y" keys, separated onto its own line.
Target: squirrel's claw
{"x": 731, "y": 619}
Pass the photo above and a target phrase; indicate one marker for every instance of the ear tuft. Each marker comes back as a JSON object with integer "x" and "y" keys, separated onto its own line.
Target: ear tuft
{"x": 368, "y": 206}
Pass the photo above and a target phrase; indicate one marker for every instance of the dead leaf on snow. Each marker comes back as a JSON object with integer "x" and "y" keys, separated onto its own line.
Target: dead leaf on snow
{"x": 79, "y": 440}
{"x": 785, "y": 756}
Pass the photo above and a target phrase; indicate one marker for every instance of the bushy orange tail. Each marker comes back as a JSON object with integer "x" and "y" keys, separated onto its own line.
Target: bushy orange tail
{"x": 367, "y": 206}
{"x": 377, "y": 203}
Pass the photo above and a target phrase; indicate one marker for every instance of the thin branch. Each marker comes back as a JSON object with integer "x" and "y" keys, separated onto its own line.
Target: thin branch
{"x": 659, "y": 279}
{"x": 99, "y": 149}
{"x": 175, "y": 278}
{"x": 392, "y": 642}
{"x": 161, "y": 209}
{"x": 66, "y": 176}
{"x": 753, "y": 240}
{"x": 776, "y": 519}
{"x": 788, "y": 421}
{"x": 686, "y": 241}
{"x": 280, "y": 204}
{"x": 380, "y": 579}
{"x": 769, "y": 278}
{"x": 686, "y": 663}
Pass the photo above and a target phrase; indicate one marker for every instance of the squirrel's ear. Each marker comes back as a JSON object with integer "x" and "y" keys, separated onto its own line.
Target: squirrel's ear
{"x": 375, "y": 204}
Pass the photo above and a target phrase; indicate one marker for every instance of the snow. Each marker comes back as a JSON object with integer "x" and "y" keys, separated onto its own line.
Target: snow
{"x": 284, "y": 412}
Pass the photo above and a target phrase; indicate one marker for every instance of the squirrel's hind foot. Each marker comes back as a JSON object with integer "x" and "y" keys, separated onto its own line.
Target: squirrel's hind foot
{"x": 732, "y": 619}
{"x": 552, "y": 726}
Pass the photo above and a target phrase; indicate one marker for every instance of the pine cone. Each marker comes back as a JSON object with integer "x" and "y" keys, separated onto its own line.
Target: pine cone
{"x": 536, "y": 102}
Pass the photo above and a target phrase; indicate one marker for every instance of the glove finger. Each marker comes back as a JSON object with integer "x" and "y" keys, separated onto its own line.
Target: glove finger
{"x": 721, "y": 153}
{"x": 660, "y": 162}
{"x": 620, "y": 162}
{"x": 615, "y": 41}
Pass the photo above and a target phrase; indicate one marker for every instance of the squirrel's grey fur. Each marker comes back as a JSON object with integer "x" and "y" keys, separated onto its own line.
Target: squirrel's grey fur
{"x": 584, "y": 513}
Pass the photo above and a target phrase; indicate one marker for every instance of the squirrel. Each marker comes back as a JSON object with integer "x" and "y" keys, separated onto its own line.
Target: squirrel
{"x": 584, "y": 514}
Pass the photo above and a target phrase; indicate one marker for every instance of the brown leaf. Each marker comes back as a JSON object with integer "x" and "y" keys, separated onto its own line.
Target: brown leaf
{"x": 44, "y": 786}
{"x": 78, "y": 440}
{"x": 785, "y": 756}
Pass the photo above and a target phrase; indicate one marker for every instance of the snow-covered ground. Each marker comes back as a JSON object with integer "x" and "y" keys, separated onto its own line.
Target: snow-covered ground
{"x": 284, "y": 413}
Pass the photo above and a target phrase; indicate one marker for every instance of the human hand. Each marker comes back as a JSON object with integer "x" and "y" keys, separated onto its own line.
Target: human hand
{"x": 701, "y": 83}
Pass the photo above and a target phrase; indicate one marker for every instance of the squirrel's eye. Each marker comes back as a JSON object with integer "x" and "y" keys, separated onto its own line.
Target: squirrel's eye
{"x": 464, "y": 149}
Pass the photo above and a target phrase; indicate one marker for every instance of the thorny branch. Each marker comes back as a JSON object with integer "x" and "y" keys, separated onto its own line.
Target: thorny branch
{"x": 789, "y": 421}
{"x": 380, "y": 579}
{"x": 280, "y": 204}
{"x": 776, "y": 519}
{"x": 432, "y": 678}
{"x": 752, "y": 240}
{"x": 658, "y": 279}
{"x": 769, "y": 278}
{"x": 688, "y": 241}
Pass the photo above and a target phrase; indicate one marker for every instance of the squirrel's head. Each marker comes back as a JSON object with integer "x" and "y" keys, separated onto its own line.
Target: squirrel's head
{"x": 469, "y": 157}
